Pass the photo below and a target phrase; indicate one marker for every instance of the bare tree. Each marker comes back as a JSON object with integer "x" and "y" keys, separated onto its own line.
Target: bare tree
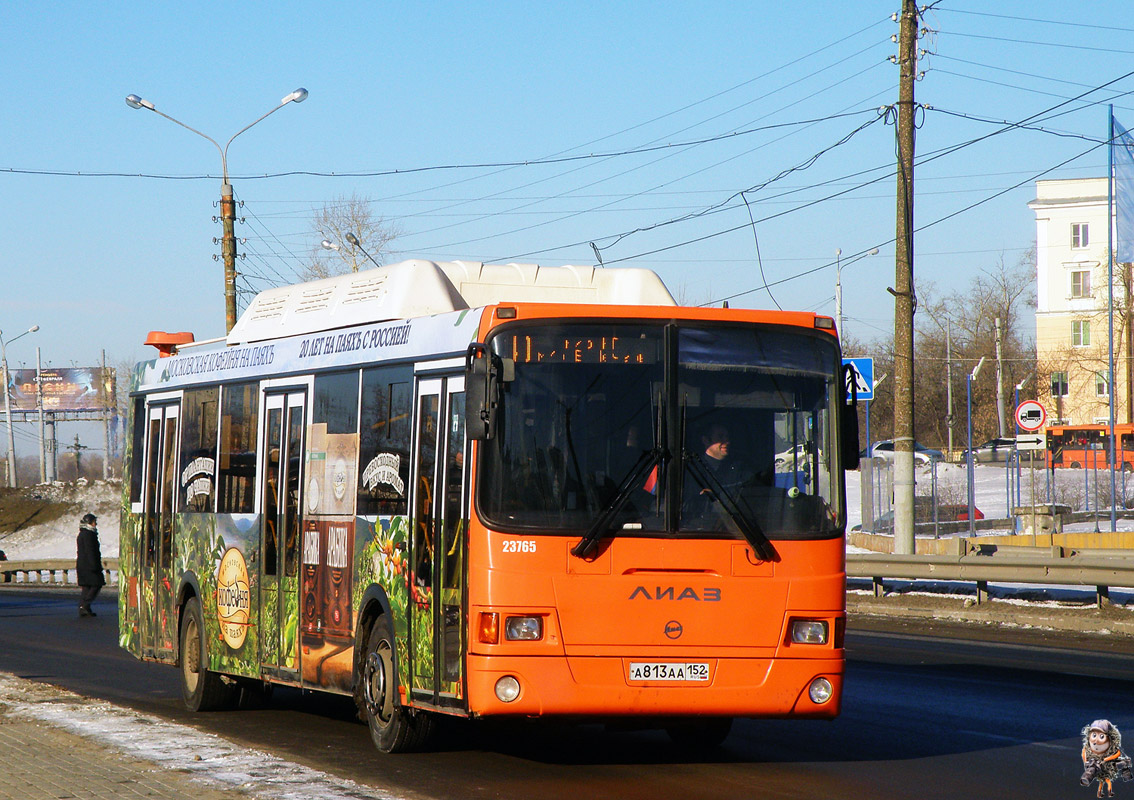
{"x": 967, "y": 317}
{"x": 346, "y": 214}
{"x": 1000, "y": 292}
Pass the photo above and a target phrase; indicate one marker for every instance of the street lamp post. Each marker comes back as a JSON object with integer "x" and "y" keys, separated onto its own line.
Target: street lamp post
{"x": 350, "y": 237}
{"x": 972, "y": 376}
{"x": 839, "y": 283}
{"x": 8, "y": 403}
{"x": 228, "y": 208}
{"x": 353, "y": 241}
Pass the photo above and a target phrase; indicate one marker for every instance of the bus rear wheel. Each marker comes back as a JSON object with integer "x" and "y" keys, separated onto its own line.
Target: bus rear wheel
{"x": 201, "y": 689}
{"x": 393, "y": 728}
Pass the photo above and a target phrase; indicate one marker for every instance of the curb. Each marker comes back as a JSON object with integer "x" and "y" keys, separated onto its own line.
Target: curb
{"x": 1080, "y": 618}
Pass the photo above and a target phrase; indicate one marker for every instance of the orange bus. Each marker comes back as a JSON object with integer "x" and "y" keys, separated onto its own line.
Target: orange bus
{"x": 477, "y": 490}
{"x": 1088, "y": 446}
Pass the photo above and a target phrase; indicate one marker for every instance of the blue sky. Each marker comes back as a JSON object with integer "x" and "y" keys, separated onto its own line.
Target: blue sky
{"x": 98, "y": 261}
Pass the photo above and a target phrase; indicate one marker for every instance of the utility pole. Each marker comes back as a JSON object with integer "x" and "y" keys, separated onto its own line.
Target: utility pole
{"x": 903, "y": 290}
{"x": 109, "y": 399}
{"x": 228, "y": 253}
{"x": 839, "y": 292}
{"x": 78, "y": 449}
{"x": 39, "y": 408}
{"x": 52, "y": 449}
{"x": 949, "y": 382}
{"x": 999, "y": 381}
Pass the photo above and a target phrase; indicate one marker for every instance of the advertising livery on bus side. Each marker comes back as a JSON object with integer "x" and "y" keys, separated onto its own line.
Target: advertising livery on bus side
{"x": 486, "y": 490}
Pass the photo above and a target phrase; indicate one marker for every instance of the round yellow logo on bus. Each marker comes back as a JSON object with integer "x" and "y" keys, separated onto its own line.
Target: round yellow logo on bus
{"x": 234, "y": 600}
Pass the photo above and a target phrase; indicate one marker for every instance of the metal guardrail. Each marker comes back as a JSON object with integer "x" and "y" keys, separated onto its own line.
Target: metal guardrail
{"x": 49, "y": 572}
{"x": 1101, "y": 569}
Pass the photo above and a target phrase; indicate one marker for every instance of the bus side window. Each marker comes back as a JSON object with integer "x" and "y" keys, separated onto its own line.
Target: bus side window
{"x": 199, "y": 449}
{"x": 384, "y": 446}
{"x": 237, "y": 467}
{"x": 137, "y": 442}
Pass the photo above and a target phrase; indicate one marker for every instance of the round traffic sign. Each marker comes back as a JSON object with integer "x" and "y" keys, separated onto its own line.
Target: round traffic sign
{"x": 1031, "y": 415}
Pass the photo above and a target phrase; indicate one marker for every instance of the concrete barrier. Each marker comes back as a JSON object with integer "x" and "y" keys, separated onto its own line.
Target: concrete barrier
{"x": 50, "y": 572}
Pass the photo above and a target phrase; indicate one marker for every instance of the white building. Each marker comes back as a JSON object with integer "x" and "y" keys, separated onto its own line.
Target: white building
{"x": 1072, "y": 301}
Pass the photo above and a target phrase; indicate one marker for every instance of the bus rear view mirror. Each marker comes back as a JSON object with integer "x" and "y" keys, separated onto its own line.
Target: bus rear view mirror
{"x": 485, "y": 373}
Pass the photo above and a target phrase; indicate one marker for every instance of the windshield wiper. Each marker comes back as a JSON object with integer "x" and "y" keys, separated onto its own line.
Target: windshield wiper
{"x": 747, "y": 526}
{"x": 601, "y": 526}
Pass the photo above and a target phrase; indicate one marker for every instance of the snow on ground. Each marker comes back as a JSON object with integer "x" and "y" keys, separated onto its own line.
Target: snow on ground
{"x": 56, "y": 539}
{"x": 207, "y": 758}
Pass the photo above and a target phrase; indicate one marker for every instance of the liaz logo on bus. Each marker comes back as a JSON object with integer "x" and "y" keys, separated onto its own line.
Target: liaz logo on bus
{"x": 233, "y": 598}
{"x": 710, "y": 594}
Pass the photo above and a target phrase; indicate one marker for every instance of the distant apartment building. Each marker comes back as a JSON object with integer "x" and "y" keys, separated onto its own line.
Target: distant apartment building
{"x": 1072, "y": 329}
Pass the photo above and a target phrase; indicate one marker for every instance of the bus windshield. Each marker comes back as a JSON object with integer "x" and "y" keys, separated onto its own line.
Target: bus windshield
{"x": 687, "y": 428}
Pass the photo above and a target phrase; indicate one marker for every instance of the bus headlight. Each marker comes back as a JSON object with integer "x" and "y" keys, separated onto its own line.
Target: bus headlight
{"x": 808, "y": 631}
{"x": 819, "y": 691}
{"x": 523, "y": 629}
{"x": 508, "y": 689}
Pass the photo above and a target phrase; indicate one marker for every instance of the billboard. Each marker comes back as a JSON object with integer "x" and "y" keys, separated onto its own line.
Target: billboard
{"x": 64, "y": 389}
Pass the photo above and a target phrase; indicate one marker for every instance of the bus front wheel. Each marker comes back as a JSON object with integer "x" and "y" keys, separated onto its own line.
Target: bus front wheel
{"x": 201, "y": 689}
{"x": 393, "y": 728}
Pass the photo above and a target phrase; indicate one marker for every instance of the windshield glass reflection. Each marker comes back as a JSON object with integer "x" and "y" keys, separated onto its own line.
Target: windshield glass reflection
{"x": 591, "y": 404}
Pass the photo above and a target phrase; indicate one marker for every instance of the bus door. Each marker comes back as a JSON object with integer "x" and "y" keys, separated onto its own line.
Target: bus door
{"x": 281, "y": 470}
{"x": 158, "y": 622}
{"x": 438, "y": 577}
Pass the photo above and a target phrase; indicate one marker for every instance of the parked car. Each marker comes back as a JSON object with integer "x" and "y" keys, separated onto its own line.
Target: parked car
{"x": 924, "y": 513}
{"x": 957, "y": 513}
{"x": 795, "y": 455}
{"x": 922, "y": 455}
{"x": 999, "y": 449}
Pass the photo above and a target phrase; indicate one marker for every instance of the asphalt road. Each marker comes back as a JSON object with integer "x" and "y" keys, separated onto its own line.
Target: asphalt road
{"x": 946, "y": 713}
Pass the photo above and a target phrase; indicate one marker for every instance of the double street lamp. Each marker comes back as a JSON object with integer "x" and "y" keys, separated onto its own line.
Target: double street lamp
{"x": 354, "y": 242}
{"x": 228, "y": 209}
{"x": 8, "y": 402}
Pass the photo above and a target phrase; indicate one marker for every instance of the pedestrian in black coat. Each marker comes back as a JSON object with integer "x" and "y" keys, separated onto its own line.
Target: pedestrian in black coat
{"x": 88, "y": 565}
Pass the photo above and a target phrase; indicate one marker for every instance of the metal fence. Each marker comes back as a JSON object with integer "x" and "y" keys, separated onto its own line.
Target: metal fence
{"x": 1100, "y": 569}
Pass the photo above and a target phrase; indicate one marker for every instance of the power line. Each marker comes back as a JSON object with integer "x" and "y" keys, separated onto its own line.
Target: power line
{"x": 433, "y": 168}
{"x": 1060, "y": 23}
{"x": 1002, "y": 84}
{"x": 1037, "y": 128}
{"x": 716, "y": 208}
{"x": 1041, "y": 44}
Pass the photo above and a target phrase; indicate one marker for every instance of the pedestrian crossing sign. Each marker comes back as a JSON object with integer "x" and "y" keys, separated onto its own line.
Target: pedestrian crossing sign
{"x": 862, "y": 373}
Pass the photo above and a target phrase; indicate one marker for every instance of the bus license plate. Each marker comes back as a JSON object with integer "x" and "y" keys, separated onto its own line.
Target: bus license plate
{"x": 694, "y": 671}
